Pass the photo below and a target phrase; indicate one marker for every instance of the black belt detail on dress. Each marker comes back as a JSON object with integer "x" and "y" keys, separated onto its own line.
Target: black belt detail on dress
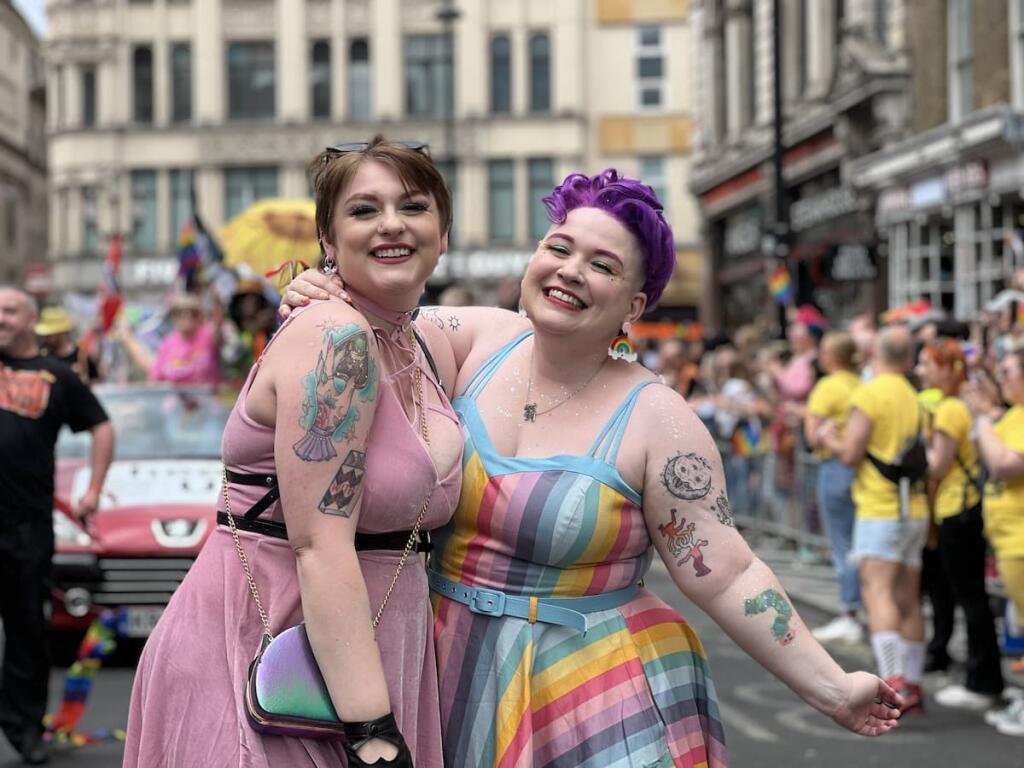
{"x": 266, "y": 481}
{"x": 364, "y": 541}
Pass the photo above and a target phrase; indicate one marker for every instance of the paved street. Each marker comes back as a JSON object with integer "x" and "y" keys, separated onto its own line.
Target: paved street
{"x": 766, "y": 724}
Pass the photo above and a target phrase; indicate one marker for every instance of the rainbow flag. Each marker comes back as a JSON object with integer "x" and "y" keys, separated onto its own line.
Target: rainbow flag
{"x": 746, "y": 440}
{"x": 188, "y": 249}
{"x": 780, "y": 285}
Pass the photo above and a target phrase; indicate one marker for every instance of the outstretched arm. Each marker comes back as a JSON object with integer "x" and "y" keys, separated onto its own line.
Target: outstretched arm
{"x": 688, "y": 515}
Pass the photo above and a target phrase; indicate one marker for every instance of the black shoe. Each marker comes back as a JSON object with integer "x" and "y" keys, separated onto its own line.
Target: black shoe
{"x": 937, "y": 663}
{"x": 34, "y": 751}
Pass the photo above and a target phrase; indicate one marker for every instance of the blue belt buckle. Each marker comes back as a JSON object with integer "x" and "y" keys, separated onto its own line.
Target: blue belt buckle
{"x": 488, "y": 602}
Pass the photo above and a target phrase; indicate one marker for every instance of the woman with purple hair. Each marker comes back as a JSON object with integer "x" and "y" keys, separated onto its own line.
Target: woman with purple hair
{"x": 578, "y": 466}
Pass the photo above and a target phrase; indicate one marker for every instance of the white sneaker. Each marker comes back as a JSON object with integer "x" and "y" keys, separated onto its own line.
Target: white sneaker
{"x": 963, "y": 698}
{"x": 1011, "y": 712}
{"x": 1012, "y": 724}
{"x": 845, "y": 629}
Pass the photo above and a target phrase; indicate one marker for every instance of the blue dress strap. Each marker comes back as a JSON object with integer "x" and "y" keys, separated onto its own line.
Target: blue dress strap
{"x": 606, "y": 446}
{"x": 486, "y": 371}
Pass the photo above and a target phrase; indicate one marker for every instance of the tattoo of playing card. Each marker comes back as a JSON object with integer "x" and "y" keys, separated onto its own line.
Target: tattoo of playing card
{"x": 344, "y": 487}
{"x": 345, "y": 375}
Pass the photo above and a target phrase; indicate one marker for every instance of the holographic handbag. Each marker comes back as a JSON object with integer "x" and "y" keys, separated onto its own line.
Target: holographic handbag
{"x": 285, "y": 693}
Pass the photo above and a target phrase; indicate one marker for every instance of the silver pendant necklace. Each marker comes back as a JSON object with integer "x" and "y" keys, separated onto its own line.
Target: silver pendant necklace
{"x": 530, "y": 412}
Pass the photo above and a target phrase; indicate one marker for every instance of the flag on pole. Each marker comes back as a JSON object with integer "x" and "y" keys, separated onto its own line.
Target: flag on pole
{"x": 780, "y": 285}
{"x": 110, "y": 288}
{"x": 189, "y": 255}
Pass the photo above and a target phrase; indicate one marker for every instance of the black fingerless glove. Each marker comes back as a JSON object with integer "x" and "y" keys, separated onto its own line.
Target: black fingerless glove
{"x": 385, "y": 728}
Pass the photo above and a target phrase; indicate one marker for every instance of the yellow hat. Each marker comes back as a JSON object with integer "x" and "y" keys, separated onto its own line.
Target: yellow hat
{"x": 53, "y": 320}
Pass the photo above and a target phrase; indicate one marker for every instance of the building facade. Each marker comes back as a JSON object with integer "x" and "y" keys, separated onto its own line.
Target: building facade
{"x": 152, "y": 99}
{"x": 949, "y": 191}
{"x": 23, "y": 196}
{"x": 844, "y": 78}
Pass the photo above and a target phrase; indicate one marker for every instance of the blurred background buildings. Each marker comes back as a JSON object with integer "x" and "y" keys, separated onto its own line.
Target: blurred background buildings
{"x": 150, "y": 99}
{"x": 23, "y": 202}
{"x": 900, "y": 148}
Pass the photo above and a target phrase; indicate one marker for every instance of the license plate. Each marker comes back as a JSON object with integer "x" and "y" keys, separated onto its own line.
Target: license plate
{"x": 138, "y": 622}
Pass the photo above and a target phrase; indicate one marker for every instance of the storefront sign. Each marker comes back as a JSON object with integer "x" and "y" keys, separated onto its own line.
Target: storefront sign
{"x": 852, "y": 261}
{"x": 742, "y": 234}
{"x": 927, "y": 193}
{"x": 966, "y": 178}
{"x": 935, "y": 190}
{"x": 818, "y": 209}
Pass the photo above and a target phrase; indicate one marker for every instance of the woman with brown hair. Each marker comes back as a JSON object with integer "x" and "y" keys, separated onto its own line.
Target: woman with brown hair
{"x": 341, "y": 448}
{"x": 954, "y": 489}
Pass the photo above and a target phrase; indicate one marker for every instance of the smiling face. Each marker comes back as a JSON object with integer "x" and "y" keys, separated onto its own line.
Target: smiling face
{"x": 386, "y": 239}
{"x": 585, "y": 277}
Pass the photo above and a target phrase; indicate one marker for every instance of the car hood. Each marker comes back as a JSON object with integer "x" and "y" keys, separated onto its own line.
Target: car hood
{"x": 148, "y": 507}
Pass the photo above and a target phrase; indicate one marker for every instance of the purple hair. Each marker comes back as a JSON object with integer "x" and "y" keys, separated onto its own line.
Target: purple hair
{"x": 635, "y": 206}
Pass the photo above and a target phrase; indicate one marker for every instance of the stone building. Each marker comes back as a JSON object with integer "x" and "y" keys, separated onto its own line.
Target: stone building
{"x": 949, "y": 204}
{"x": 23, "y": 197}
{"x": 844, "y": 74}
{"x": 150, "y": 99}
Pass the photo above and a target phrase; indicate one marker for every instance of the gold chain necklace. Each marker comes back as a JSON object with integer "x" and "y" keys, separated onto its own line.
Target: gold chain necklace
{"x": 530, "y": 412}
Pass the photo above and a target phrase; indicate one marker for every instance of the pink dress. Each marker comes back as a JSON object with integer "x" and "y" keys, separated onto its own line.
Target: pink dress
{"x": 186, "y": 706}
{"x": 188, "y": 361}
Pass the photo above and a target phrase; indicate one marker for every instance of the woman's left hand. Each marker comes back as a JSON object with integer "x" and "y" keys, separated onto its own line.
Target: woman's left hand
{"x": 871, "y": 707}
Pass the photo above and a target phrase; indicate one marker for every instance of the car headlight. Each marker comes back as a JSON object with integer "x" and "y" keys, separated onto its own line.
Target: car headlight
{"x": 68, "y": 532}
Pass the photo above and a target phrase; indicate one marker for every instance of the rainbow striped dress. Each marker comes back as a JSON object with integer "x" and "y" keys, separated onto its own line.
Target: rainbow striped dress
{"x": 635, "y": 690}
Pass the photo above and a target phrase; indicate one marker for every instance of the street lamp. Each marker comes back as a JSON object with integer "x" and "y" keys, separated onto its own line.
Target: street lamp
{"x": 448, "y": 14}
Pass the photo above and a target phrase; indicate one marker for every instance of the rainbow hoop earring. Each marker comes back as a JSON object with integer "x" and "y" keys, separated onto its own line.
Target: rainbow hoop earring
{"x": 622, "y": 348}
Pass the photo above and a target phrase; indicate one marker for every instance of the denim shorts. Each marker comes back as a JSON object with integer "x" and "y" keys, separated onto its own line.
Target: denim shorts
{"x": 898, "y": 541}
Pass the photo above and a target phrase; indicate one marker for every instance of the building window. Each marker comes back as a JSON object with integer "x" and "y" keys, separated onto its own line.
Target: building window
{"x": 251, "y": 81}
{"x": 501, "y": 75}
{"x": 651, "y": 169}
{"x": 501, "y": 200}
{"x": 541, "y": 175}
{"x": 181, "y": 82}
{"x": 961, "y": 59}
{"x": 450, "y": 171}
{"x": 428, "y": 76}
{"x": 540, "y": 72}
{"x": 144, "y": 211}
{"x": 88, "y": 96}
{"x": 181, "y": 199}
{"x": 650, "y": 67}
{"x": 359, "y": 104}
{"x": 90, "y": 230}
{"x": 244, "y": 186}
{"x": 882, "y": 21}
{"x": 142, "y": 83}
{"x": 320, "y": 78}
{"x": 1017, "y": 51}
{"x": 928, "y": 271}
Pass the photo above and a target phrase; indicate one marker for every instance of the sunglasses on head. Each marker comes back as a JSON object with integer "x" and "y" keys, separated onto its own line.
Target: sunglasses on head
{"x": 362, "y": 146}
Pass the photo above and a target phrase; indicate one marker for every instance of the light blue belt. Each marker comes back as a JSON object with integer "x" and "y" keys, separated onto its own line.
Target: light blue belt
{"x": 563, "y": 611}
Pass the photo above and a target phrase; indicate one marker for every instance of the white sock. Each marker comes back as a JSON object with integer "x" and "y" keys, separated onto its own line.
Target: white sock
{"x": 913, "y": 660}
{"x": 888, "y": 648}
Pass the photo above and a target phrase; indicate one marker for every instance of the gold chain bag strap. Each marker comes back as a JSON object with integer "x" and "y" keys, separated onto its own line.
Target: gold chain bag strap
{"x": 285, "y": 693}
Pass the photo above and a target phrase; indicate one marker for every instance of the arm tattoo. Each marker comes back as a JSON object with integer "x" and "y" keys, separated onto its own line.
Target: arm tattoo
{"x": 687, "y": 476}
{"x": 684, "y": 544}
{"x": 723, "y": 511}
{"x": 344, "y": 487}
{"x": 768, "y": 600}
{"x": 344, "y": 371}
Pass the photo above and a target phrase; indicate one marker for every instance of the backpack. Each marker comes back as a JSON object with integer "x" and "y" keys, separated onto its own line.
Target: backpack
{"x": 911, "y": 463}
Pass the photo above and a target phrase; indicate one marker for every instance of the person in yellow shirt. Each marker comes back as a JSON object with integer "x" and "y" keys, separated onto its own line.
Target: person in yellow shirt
{"x": 883, "y": 440}
{"x": 1000, "y": 438}
{"x": 954, "y": 473}
{"x": 829, "y": 403}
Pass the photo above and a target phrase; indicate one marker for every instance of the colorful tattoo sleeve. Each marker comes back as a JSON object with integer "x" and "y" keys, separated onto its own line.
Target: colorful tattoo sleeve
{"x": 345, "y": 375}
{"x": 772, "y": 600}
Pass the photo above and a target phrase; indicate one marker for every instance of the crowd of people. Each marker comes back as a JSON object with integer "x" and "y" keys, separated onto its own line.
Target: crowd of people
{"x": 903, "y": 440}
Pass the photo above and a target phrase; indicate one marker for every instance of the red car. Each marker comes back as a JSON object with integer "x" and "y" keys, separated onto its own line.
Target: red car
{"x": 156, "y": 510}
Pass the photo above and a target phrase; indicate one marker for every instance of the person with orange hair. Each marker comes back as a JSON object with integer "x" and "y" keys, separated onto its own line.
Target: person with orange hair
{"x": 954, "y": 489}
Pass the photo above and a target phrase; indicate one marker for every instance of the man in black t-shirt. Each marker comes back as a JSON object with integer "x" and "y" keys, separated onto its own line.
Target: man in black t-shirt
{"x": 38, "y": 395}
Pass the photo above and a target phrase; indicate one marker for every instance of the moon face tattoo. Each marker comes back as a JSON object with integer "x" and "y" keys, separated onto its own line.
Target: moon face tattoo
{"x": 687, "y": 476}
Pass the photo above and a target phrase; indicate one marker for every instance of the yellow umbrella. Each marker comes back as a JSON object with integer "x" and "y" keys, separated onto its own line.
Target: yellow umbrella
{"x": 271, "y": 232}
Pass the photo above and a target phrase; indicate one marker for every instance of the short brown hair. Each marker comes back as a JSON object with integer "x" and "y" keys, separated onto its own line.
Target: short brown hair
{"x": 331, "y": 171}
{"x": 842, "y": 348}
